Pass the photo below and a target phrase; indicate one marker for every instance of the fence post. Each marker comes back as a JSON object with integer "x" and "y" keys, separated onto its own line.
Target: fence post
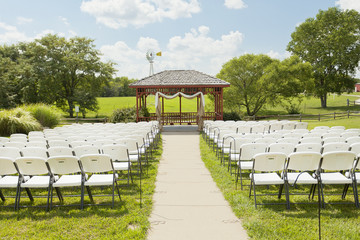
{"x": 348, "y": 112}
{"x": 334, "y": 115}
{"x": 319, "y": 116}
{"x": 300, "y": 117}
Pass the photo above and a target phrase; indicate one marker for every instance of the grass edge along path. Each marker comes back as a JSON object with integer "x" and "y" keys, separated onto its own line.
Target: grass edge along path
{"x": 274, "y": 221}
{"x": 125, "y": 221}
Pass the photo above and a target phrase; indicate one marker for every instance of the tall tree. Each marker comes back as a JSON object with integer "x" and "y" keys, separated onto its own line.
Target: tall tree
{"x": 67, "y": 72}
{"x": 331, "y": 44}
{"x": 249, "y": 87}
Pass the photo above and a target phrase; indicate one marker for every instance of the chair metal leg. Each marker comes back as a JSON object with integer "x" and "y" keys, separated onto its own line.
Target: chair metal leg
{"x": 2, "y": 196}
{"x": 89, "y": 193}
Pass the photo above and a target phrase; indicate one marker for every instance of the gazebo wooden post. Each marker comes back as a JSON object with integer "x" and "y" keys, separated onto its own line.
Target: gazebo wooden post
{"x": 137, "y": 105}
{"x": 180, "y": 107}
{"x": 221, "y": 104}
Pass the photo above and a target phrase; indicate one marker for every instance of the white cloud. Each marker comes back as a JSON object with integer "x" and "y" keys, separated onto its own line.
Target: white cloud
{"x": 11, "y": 34}
{"x": 23, "y": 20}
{"x": 195, "y": 50}
{"x": 64, "y": 20}
{"x": 277, "y": 55}
{"x": 121, "y": 13}
{"x": 235, "y": 4}
{"x": 349, "y": 4}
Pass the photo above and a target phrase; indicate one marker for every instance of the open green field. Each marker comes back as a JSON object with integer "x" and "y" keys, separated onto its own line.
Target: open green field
{"x": 309, "y": 105}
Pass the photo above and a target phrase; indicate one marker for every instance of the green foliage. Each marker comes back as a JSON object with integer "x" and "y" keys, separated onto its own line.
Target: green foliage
{"x": 46, "y": 115}
{"x": 124, "y": 115}
{"x": 231, "y": 116}
{"x": 119, "y": 87}
{"x": 17, "y": 121}
{"x": 257, "y": 80}
{"x": 331, "y": 44}
{"x": 144, "y": 112}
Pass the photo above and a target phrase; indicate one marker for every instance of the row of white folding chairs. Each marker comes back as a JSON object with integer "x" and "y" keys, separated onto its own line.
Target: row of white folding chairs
{"x": 328, "y": 167}
{"x": 57, "y": 172}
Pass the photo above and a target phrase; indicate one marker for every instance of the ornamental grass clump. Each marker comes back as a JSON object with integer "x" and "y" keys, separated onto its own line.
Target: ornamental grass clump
{"x": 46, "y": 115}
{"x": 17, "y": 121}
{"x": 123, "y": 115}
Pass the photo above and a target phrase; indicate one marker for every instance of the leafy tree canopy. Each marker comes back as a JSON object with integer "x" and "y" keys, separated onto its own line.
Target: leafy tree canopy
{"x": 331, "y": 44}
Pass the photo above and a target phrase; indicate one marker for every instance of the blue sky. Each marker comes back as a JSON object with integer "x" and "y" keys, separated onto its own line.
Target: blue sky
{"x": 192, "y": 34}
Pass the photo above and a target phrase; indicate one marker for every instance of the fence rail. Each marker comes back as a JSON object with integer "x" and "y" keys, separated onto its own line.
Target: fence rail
{"x": 308, "y": 117}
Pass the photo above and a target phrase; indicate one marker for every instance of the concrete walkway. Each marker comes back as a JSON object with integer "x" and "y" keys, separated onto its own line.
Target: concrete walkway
{"x": 187, "y": 203}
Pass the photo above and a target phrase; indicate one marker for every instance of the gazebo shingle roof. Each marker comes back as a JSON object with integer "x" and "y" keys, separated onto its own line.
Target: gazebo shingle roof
{"x": 180, "y": 78}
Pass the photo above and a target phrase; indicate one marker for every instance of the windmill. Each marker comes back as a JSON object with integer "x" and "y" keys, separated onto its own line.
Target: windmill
{"x": 150, "y": 55}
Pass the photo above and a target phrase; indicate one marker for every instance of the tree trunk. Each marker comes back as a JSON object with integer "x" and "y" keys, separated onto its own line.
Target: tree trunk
{"x": 323, "y": 100}
{"x": 71, "y": 108}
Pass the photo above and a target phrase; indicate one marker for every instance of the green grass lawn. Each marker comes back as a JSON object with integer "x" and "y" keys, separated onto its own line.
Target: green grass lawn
{"x": 309, "y": 105}
{"x": 274, "y": 221}
{"x": 125, "y": 221}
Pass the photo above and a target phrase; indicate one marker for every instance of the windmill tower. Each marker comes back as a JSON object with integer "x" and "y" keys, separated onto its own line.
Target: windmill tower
{"x": 150, "y": 55}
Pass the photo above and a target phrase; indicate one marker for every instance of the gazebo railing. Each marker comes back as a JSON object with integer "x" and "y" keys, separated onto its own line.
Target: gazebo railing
{"x": 184, "y": 118}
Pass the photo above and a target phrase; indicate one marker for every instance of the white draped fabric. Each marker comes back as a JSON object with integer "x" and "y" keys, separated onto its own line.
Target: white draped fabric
{"x": 201, "y": 109}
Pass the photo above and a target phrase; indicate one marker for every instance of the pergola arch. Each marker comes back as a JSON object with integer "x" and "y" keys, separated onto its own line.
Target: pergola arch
{"x": 187, "y": 82}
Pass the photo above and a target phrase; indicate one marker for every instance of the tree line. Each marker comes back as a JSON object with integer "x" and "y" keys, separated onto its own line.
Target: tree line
{"x": 58, "y": 71}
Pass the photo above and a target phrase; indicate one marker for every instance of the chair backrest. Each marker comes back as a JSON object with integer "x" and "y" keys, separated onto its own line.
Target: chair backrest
{"x": 18, "y": 139}
{"x": 244, "y": 129}
{"x": 267, "y": 141}
{"x": 4, "y": 139}
{"x": 117, "y": 152}
{"x": 304, "y": 161}
{"x": 34, "y": 152}
{"x": 64, "y": 164}
{"x": 58, "y": 143}
{"x": 301, "y": 125}
{"x": 41, "y": 144}
{"x": 15, "y": 144}
{"x": 79, "y": 143}
{"x": 249, "y": 150}
{"x": 288, "y": 140}
{"x": 85, "y": 149}
{"x": 130, "y": 143}
{"x": 293, "y": 135}
{"x": 10, "y": 152}
{"x": 321, "y": 128}
{"x": 60, "y": 151}
{"x": 338, "y": 160}
{"x": 32, "y": 165}
{"x": 331, "y": 134}
{"x": 96, "y": 163}
{"x": 333, "y": 140}
{"x": 311, "y": 140}
{"x": 350, "y": 134}
{"x": 352, "y": 140}
{"x": 289, "y": 125}
{"x": 238, "y": 142}
{"x": 269, "y": 161}
{"x": 258, "y": 128}
{"x": 275, "y": 126}
{"x": 284, "y": 147}
{"x": 308, "y": 147}
{"x": 335, "y": 146}
{"x": 100, "y": 142}
{"x": 355, "y": 147}
{"x": 7, "y": 166}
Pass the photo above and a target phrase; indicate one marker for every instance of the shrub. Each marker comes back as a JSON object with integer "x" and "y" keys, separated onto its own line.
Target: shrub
{"x": 17, "y": 121}
{"x": 124, "y": 115}
{"x": 231, "y": 116}
{"x": 47, "y": 116}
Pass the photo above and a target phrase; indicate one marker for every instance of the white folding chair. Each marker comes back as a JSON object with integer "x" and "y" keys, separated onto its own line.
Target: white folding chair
{"x": 34, "y": 152}
{"x": 308, "y": 147}
{"x": 37, "y": 168}
{"x": 288, "y": 140}
{"x": 333, "y": 165}
{"x": 247, "y": 152}
{"x": 58, "y": 143}
{"x": 335, "y": 146}
{"x": 300, "y": 168}
{"x": 265, "y": 172}
{"x": 85, "y": 149}
{"x": 99, "y": 165}
{"x": 235, "y": 147}
{"x": 284, "y": 147}
{"x": 60, "y": 151}
{"x": 120, "y": 157}
{"x": 68, "y": 168}
{"x": 352, "y": 140}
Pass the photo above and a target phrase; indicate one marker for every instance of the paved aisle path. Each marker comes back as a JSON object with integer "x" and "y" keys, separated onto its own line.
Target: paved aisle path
{"x": 187, "y": 202}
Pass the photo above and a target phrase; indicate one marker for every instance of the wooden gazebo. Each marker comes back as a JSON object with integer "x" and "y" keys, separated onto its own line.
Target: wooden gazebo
{"x": 186, "y": 82}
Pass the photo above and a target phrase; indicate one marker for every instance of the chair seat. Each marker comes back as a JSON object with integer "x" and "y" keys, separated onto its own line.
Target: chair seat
{"x": 37, "y": 182}
{"x": 304, "y": 178}
{"x": 134, "y": 158}
{"x": 133, "y": 152}
{"x": 245, "y": 164}
{"x": 334, "y": 178}
{"x": 267, "y": 179}
{"x": 100, "y": 180}
{"x": 9, "y": 181}
{"x": 68, "y": 181}
{"x": 121, "y": 166}
{"x": 226, "y": 150}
